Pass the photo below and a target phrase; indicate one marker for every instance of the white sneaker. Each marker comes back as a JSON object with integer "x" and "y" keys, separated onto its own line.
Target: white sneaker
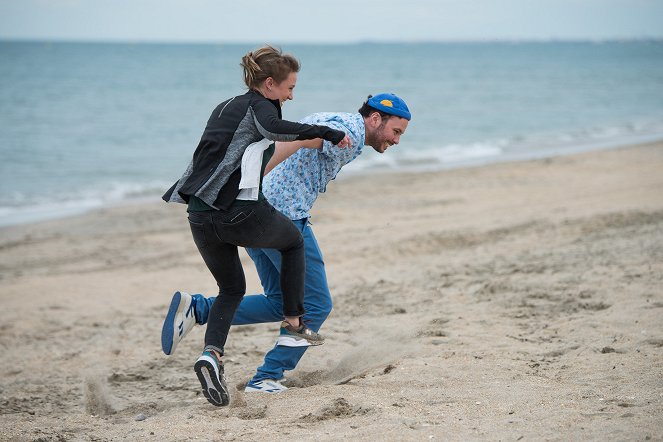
{"x": 179, "y": 321}
{"x": 265, "y": 386}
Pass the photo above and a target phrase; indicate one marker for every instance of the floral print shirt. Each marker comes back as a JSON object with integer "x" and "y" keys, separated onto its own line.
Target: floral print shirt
{"x": 293, "y": 186}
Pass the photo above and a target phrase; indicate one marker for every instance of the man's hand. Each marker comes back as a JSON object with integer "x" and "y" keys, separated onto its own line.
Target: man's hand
{"x": 345, "y": 142}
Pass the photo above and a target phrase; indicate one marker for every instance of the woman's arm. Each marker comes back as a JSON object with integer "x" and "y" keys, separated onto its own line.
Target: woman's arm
{"x": 272, "y": 127}
{"x": 283, "y": 149}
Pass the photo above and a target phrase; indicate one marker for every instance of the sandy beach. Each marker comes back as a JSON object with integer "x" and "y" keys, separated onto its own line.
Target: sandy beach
{"x": 515, "y": 301}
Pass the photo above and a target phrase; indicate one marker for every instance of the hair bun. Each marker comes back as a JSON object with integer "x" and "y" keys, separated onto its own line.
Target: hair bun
{"x": 266, "y": 62}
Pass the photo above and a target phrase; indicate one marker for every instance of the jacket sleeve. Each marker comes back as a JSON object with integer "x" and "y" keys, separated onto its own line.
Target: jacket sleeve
{"x": 273, "y": 128}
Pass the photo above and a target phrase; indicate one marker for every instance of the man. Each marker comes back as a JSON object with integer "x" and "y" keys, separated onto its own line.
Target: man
{"x": 292, "y": 188}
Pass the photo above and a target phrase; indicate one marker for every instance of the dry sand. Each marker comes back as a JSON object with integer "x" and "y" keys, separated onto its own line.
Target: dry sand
{"x": 519, "y": 301}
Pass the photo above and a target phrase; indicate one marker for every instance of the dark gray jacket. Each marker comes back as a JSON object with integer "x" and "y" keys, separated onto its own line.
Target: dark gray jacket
{"x": 215, "y": 170}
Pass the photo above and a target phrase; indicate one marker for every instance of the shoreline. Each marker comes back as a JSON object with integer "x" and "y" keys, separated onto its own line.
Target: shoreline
{"x": 38, "y": 216}
{"x": 503, "y": 302}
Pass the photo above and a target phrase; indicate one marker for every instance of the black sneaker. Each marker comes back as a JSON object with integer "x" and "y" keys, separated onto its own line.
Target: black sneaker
{"x": 210, "y": 374}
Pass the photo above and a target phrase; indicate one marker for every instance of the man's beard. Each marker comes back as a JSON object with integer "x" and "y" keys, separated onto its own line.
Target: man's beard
{"x": 375, "y": 140}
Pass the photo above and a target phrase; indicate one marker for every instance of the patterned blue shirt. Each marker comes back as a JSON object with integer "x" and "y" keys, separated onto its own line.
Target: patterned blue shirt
{"x": 293, "y": 186}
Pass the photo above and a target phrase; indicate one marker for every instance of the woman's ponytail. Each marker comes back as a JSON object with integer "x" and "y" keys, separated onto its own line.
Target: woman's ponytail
{"x": 266, "y": 62}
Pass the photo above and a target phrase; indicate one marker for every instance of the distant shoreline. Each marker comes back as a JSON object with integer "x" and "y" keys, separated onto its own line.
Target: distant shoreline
{"x": 69, "y": 212}
{"x": 653, "y": 40}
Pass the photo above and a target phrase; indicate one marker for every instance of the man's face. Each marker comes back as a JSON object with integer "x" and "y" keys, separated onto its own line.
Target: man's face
{"x": 380, "y": 134}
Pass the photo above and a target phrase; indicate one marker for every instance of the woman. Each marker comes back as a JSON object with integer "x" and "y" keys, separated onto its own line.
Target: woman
{"x": 222, "y": 187}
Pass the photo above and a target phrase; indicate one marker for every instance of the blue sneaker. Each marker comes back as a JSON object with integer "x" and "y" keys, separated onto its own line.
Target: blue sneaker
{"x": 265, "y": 386}
{"x": 179, "y": 321}
{"x": 210, "y": 374}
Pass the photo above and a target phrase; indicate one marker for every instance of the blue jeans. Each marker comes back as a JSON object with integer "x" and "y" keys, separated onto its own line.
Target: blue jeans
{"x": 268, "y": 307}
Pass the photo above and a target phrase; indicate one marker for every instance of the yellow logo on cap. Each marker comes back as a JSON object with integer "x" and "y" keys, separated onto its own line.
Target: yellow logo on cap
{"x": 387, "y": 103}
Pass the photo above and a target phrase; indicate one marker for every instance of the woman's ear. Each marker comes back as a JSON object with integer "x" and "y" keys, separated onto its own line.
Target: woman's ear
{"x": 269, "y": 83}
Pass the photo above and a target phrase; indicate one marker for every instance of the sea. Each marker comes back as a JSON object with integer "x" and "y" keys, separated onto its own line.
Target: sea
{"x": 91, "y": 125}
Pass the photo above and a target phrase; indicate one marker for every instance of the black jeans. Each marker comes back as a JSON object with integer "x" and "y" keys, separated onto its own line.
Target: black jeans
{"x": 259, "y": 225}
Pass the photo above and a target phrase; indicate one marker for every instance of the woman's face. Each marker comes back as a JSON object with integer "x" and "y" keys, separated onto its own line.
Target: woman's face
{"x": 281, "y": 91}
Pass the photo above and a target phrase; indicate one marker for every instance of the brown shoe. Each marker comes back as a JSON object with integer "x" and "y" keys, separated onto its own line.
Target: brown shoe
{"x": 300, "y": 337}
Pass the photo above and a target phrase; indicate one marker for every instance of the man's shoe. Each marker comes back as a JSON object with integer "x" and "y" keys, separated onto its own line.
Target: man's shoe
{"x": 303, "y": 336}
{"x": 179, "y": 321}
{"x": 210, "y": 374}
{"x": 265, "y": 386}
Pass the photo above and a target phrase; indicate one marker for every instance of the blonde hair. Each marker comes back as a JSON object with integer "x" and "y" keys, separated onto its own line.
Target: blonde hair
{"x": 266, "y": 62}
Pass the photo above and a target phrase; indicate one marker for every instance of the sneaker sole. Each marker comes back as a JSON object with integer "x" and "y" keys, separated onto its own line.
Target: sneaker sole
{"x": 294, "y": 341}
{"x": 167, "y": 332}
{"x": 215, "y": 392}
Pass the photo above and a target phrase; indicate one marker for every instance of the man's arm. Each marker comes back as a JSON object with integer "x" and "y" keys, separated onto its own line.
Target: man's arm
{"x": 284, "y": 149}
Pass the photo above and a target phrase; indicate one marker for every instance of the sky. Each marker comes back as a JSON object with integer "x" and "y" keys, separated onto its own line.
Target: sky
{"x": 339, "y": 21}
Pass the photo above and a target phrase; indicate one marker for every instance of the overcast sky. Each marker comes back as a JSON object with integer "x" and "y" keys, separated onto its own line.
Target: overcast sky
{"x": 288, "y": 21}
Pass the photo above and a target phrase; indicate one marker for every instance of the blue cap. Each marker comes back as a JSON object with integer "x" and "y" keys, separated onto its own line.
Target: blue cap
{"x": 390, "y": 104}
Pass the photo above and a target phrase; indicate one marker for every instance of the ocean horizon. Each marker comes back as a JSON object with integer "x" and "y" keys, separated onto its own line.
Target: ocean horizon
{"x": 87, "y": 125}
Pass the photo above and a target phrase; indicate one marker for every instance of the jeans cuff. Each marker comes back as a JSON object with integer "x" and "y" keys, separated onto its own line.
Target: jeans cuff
{"x": 215, "y": 348}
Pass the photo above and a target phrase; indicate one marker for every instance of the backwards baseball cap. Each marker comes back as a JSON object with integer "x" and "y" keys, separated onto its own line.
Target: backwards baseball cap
{"x": 390, "y": 104}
